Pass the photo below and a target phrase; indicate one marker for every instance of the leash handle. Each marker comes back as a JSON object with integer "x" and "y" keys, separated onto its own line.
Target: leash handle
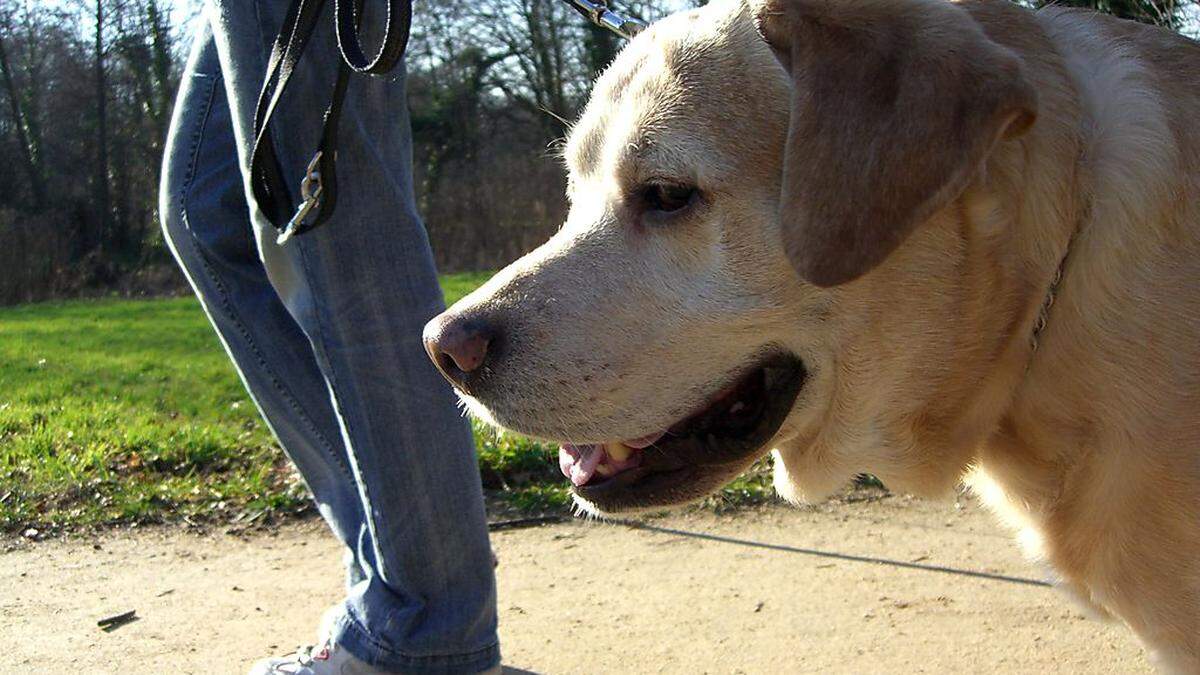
{"x": 395, "y": 39}
{"x": 319, "y": 186}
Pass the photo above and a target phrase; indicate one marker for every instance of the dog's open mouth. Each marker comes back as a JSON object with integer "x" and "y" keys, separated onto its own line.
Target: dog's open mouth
{"x": 696, "y": 454}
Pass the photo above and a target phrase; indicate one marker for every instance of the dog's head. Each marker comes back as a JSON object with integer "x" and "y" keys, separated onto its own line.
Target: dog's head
{"x": 731, "y": 279}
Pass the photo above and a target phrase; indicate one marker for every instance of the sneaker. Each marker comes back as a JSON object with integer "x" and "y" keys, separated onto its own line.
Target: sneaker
{"x": 325, "y": 658}
{"x": 322, "y": 659}
{"x": 319, "y": 659}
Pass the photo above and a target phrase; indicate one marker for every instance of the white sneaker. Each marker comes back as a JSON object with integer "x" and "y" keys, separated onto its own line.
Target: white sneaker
{"x": 323, "y": 659}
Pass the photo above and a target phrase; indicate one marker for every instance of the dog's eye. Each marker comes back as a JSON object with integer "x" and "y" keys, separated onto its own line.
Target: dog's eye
{"x": 668, "y": 197}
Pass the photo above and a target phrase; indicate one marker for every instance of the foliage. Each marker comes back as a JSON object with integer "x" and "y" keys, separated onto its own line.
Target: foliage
{"x": 85, "y": 96}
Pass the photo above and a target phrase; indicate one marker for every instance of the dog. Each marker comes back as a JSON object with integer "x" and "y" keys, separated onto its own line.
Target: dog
{"x": 932, "y": 241}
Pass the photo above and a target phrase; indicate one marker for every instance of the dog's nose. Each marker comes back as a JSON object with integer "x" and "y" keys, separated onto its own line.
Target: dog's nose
{"x": 458, "y": 347}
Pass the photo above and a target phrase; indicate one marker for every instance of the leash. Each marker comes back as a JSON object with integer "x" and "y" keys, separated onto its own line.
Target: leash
{"x": 318, "y": 187}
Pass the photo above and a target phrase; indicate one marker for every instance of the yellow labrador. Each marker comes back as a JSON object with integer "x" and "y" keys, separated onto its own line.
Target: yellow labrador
{"x": 915, "y": 238}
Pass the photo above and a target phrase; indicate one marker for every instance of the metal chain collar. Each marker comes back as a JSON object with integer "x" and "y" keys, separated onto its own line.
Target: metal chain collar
{"x": 1043, "y": 316}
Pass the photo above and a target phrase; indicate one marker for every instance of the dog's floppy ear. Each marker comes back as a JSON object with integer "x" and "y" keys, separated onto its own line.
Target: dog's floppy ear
{"x": 895, "y": 105}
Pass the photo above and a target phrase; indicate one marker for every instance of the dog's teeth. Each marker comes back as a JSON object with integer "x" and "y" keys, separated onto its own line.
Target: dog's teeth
{"x": 618, "y": 451}
{"x": 605, "y": 470}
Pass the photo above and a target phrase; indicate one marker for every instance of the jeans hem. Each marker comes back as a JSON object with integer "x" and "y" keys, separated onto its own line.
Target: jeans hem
{"x": 355, "y": 639}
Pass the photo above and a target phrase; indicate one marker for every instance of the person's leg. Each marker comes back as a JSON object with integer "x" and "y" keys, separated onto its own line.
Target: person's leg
{"x": 361, "y": 288}
{"x": 206, "y": 224}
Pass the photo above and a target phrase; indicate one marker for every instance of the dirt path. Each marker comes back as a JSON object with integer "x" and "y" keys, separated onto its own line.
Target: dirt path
{"x": 587, "y": 598}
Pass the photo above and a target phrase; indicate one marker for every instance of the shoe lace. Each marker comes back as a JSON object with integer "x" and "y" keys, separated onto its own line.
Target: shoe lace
{"x": 307, "y": 655}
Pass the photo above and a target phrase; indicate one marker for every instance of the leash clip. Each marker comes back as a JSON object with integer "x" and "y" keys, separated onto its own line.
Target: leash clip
{"x": 310, "y": 196}
{"x": 597, "y": 12}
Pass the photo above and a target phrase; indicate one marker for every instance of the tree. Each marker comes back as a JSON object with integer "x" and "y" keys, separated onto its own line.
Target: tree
{"x": 23, "y": 105}
{"x": 145, "y": 45}
{"x": 94, "y": 238}
{"x": 20, "y": 124}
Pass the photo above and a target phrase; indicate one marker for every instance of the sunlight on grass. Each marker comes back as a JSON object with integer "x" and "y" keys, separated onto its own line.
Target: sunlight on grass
{"x": 455, "y": 286}
{"x": 124, "y": 410}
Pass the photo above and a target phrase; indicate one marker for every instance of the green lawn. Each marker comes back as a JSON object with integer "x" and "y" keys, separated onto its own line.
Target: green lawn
{"x": 129, "y": 411}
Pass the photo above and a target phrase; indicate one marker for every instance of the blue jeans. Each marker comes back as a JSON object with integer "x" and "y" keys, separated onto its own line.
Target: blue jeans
{"x": 326, "y": 334}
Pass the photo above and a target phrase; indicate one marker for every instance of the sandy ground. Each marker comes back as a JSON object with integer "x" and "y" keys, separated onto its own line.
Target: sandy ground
{"x": 584, "y": 597}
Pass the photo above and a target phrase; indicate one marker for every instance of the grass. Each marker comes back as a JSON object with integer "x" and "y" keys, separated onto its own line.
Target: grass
{"x": 116, "y": 411}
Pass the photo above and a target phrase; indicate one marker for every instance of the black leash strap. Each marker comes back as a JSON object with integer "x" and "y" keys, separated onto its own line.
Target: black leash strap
{"x": 318, "y": 189}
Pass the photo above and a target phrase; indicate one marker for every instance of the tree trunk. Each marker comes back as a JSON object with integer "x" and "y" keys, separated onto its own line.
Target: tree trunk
{"x": 37, "y": 184}
{"x": 160, "y": 59}
{"x": 100, "y": 187}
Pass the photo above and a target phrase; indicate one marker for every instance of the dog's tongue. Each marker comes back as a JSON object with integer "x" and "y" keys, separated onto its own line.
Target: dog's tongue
{"x": 580, "y": 462}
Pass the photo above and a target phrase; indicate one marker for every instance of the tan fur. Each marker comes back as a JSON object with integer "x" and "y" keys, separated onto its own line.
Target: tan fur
{"x": 921, "y": 370}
